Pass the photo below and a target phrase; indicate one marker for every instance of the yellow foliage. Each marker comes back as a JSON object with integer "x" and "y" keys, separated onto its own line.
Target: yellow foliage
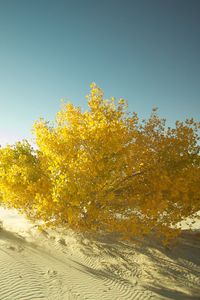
{"x": 103, "y": 169}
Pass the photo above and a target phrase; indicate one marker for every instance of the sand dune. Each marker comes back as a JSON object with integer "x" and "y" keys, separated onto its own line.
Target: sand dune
{"x": 63, "y": 265}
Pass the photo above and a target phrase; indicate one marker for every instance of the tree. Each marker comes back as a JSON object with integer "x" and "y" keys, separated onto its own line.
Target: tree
{"x": 103, "y": 169}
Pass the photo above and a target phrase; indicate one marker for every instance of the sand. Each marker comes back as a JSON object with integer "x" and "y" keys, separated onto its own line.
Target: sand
{"x": 61, "y": 265}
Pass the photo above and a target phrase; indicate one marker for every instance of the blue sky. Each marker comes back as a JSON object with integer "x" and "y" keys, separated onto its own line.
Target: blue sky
{"x": 145, "y": 51}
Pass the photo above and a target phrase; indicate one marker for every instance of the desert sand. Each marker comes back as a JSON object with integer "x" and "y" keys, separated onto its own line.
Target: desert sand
{"x": 57, "y": 265}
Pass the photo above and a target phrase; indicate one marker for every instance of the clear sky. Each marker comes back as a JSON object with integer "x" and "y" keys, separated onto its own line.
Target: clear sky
{"x": 145, "y": 51}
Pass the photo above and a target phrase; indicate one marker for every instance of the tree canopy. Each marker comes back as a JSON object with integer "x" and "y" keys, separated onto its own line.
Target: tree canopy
{"x": 105, "y": 170}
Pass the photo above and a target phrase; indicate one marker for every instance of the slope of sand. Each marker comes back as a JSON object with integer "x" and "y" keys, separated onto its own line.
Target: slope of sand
{"x": 56, "y": 265}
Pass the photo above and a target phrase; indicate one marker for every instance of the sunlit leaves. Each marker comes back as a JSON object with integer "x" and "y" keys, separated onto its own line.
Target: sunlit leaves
{"x": 103, "y": 169}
